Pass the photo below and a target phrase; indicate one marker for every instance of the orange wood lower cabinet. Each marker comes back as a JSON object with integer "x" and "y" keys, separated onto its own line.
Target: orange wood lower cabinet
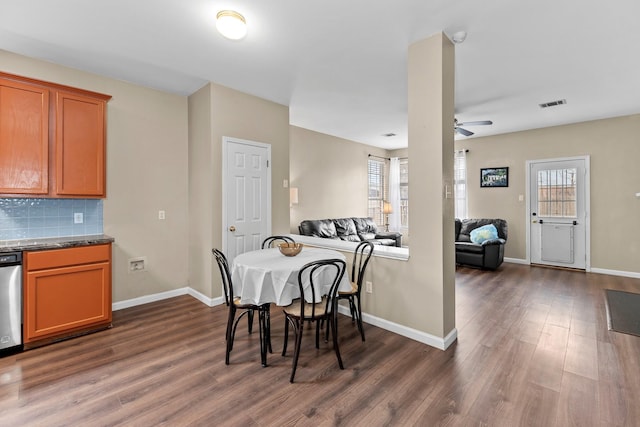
{"x": 62, "y": 296}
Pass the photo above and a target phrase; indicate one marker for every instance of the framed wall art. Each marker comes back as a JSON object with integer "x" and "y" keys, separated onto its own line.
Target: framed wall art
{"x": 494, "y": 177}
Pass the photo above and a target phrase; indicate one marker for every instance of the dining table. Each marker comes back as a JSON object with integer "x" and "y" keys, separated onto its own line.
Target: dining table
{"x": 267, "y": 276}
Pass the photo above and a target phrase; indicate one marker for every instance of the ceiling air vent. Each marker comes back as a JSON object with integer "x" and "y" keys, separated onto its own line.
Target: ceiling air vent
{"x": 389, "y": 135}
{"x": 553, "y": 103}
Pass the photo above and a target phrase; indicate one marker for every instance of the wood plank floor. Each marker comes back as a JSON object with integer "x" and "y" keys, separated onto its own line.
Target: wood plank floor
{"x": 533, "y": 349}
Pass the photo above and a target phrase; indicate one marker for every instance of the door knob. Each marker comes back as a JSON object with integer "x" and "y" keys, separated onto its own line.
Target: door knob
{"x": 232, "y": 228}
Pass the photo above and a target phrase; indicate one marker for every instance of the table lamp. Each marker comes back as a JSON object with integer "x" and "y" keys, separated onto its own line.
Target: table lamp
{"x": 386, "y": 210}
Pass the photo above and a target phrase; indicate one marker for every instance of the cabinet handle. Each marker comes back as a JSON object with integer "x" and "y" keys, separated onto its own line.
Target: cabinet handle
{"x": 232, "y": 228}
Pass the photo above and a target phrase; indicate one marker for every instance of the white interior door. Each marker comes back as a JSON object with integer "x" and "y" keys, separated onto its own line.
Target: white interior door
{"x": 558, "y": 212}
{"x": 246, "y": 195}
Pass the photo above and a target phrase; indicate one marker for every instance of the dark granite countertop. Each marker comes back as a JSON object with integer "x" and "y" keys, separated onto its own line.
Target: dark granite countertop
{"x": 53, "y": 243}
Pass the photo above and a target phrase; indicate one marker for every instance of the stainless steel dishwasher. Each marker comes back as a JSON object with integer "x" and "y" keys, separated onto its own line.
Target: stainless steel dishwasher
{"x": 10, "y": 302}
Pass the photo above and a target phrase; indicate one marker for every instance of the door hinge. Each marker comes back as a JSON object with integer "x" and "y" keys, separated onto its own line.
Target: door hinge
{"x": 267, "y": 163}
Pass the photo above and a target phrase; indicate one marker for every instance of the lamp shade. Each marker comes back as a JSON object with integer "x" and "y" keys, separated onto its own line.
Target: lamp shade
{"x": 386, "y": 208}
{"x": 231, "y": 24}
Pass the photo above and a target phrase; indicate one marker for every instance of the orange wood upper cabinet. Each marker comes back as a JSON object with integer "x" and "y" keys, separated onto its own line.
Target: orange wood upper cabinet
{"x": 66, "y": 291}
{"x": 52, "y": 139}
{"x": 24, "y": 138}
{"x": 80, "y": 145}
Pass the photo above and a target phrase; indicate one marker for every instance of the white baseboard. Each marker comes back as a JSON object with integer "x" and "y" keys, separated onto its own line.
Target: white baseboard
{"x": 414, "y": 334}
{"x": 631, "y": 274}
{"x": 165, "y": 295}
{"x": 205, "y": 299}
{"x": 405, "y": 331}
{"x": 516, "y": 261}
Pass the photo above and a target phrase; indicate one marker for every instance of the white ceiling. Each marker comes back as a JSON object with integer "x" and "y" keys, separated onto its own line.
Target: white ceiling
{"x": 341, "y": 65}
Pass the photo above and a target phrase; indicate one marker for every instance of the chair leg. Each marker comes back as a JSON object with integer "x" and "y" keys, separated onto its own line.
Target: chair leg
{"x": 229, "y": 334}
{"x": 268, "y": 326}
{"x": 286, "y": 334}
{"x": 296, "y": 353}
{"x": 262, "y": 326}
{"x": 359, "y": 318}
{"x": 352, "y": 308}
{"x": 250, "y": 320}
{"x": 333, "y": 323}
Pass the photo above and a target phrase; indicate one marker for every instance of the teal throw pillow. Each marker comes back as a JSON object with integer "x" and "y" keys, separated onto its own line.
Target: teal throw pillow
{"x": 486, "y": 232}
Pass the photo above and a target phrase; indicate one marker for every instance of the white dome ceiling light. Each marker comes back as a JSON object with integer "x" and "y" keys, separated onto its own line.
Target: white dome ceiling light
{"x": 231, "y": 24}
{"x": 459, "y": 37}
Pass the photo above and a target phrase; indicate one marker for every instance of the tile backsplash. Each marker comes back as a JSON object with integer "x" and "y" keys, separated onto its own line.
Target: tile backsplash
{"x": 36, "y": 218}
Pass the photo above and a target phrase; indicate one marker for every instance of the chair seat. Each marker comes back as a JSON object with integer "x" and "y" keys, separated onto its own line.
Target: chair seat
{"x": 294, "y": 308}
{"x": 354, "y": 290}
{"x": 236, "y": 302}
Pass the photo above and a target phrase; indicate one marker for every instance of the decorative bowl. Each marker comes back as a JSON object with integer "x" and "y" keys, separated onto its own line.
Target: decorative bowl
{"x": 290, "y": 249}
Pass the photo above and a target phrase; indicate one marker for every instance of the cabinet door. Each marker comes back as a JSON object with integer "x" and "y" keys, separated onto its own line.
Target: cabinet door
{"x": 63, "y": 300}
{"x": 80, "y": 145}
{"x": 24, "y": 138}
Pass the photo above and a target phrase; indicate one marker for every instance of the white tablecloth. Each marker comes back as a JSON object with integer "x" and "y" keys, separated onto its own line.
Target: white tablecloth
{"x": 266, "y": 275}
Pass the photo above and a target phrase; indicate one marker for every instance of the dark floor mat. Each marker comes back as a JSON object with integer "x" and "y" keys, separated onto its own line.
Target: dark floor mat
{"x": 623, "y": 311}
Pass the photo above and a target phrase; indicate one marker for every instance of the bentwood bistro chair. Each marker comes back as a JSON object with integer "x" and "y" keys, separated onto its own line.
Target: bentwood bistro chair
{"x": 272, "y": 241}
{"x": 361, "y": 257}
{"x": 235, "y": 307}
{"x": 301, "y": 311}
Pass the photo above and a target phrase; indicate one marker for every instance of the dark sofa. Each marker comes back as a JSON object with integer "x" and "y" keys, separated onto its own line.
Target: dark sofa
{"x": 350, "y": 230}
{"x": 488, "y": 254}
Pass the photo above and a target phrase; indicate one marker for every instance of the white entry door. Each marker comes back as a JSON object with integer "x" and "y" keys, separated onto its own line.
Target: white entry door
{"x": 246, "y": 195}
{"x": 559, "y": 212}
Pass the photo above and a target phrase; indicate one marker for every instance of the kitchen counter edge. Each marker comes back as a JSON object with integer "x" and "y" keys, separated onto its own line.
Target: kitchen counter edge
{"x": 53, "y": 243}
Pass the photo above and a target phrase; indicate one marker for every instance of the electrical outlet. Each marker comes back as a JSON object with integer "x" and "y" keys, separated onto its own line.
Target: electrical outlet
{"x": 368, "y": 287}
{"x": 161, "y": 215}
{"x": 78, "y": 218}
{"x": 137, "y": 264}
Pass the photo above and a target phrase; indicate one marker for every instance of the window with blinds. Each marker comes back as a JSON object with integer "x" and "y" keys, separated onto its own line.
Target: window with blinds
{"x": 460, "y": 183}
{"x": 377, "y": 193}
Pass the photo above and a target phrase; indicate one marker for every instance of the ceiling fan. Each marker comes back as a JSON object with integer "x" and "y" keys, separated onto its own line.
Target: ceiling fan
{"x": 462, "y": 131}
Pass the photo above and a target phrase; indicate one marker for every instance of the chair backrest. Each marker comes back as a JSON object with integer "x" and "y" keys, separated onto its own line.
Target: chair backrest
{"x": 361, "y": 257}
{"x": 332, "y": 272}
{"x": 225, "y": 273}
{"x": 270, "y": 241}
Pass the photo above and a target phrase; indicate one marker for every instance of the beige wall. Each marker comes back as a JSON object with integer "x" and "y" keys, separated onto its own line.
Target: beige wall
{"x": 330, "y": 174}
{"x": 146, "y": 172}
{"x": 216, "y": 111}
{"x": 615, "y": 178}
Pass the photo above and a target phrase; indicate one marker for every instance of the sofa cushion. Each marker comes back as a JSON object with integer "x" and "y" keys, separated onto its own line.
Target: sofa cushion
{"x": 469, "y": 247}
{"x": 386, "y": 242}
{"x": 346, "y": 229}
{"x": 481, "y": 234}
{"x": 324, "y": 228}
{"x": 366, "y": 228}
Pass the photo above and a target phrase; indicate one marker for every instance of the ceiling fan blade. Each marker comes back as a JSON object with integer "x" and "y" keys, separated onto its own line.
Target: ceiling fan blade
{"x": 476, "y": 123}
{"x": 463, "y": 131}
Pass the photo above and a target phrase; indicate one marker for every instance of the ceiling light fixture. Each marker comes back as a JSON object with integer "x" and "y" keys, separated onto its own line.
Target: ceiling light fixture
{"x": 231, "y": 24}
{"x": 459, "y": 37}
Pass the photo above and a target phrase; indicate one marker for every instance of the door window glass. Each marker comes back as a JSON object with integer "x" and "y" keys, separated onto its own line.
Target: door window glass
{"x": 557, "y": 193}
